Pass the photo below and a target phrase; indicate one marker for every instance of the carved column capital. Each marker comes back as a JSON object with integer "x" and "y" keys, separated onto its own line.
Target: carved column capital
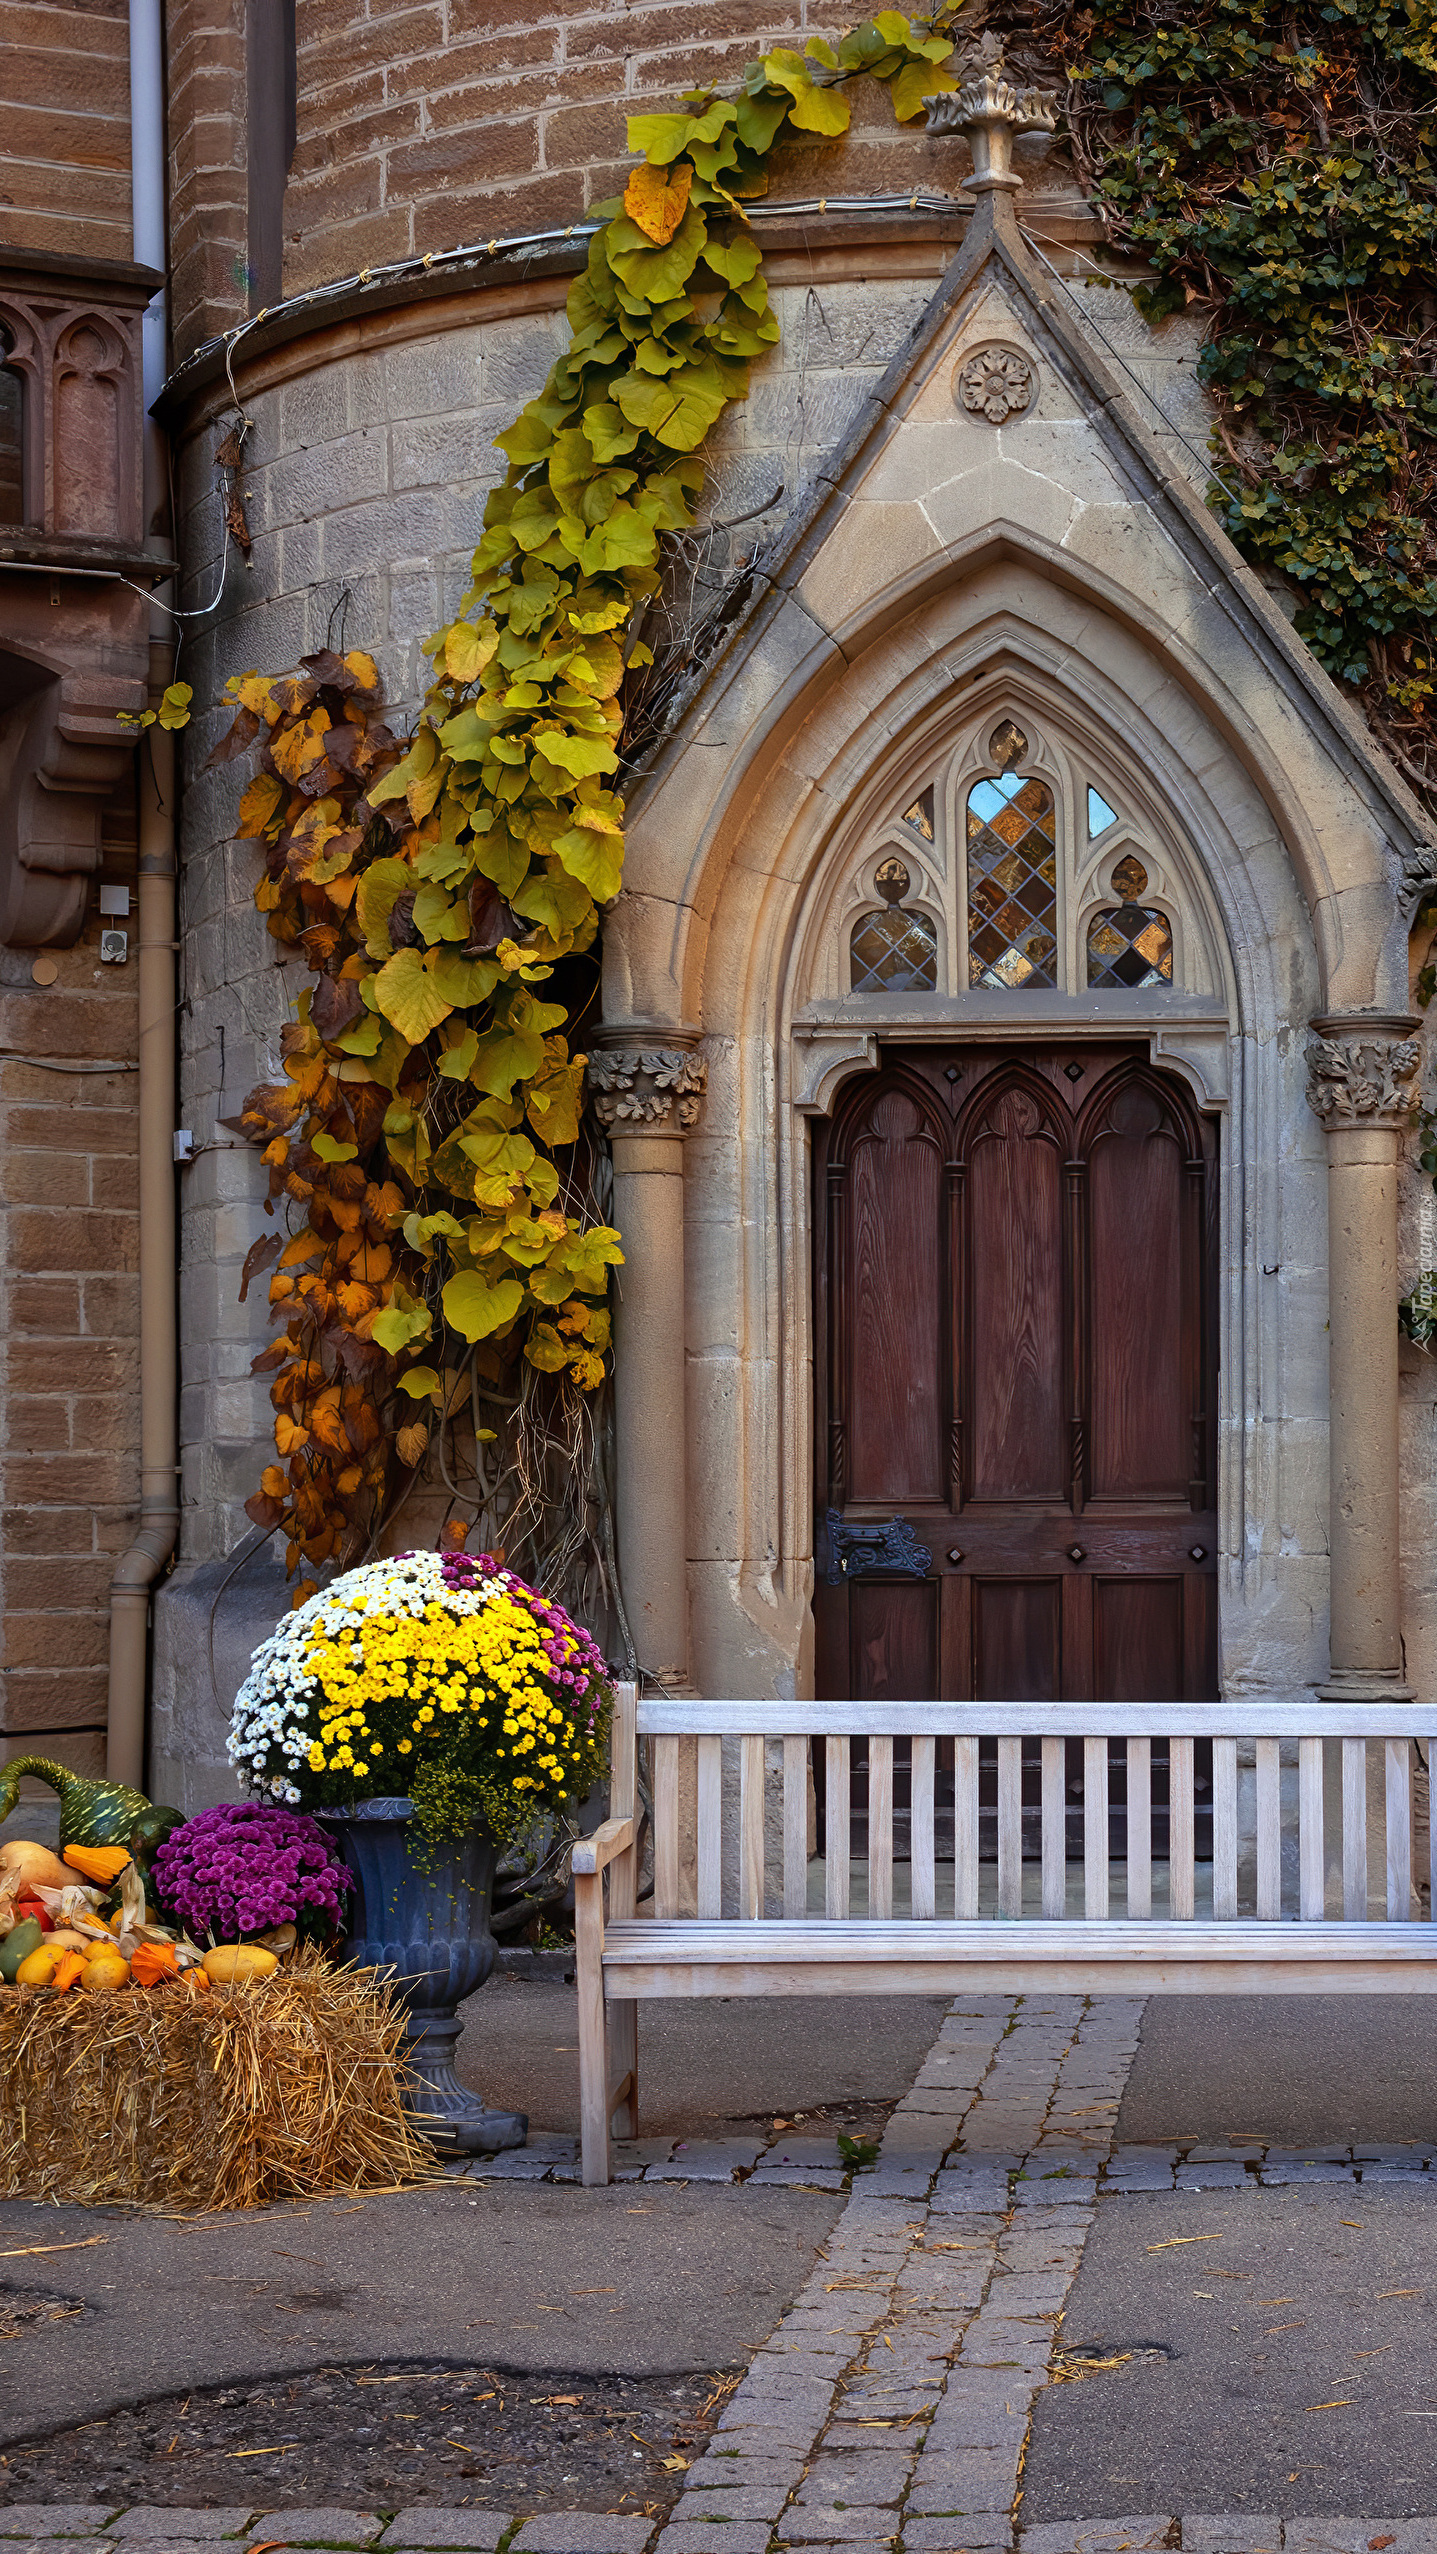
{"x": 1362, "y": 1072}
{"x": 1418, "y": 880}
{"x": 637, "y": 1084}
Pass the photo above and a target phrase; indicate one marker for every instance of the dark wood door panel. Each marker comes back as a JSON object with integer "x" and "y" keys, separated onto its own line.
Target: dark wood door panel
{"x": 892, "y": 1426}
{"x": 1014, "y": 1284}
{"x": 1017, "y": 1640}
{"x": 1014, "y": 1277}
{"x": 1138, "y": 1640}
{"x": 893, "y": 1639}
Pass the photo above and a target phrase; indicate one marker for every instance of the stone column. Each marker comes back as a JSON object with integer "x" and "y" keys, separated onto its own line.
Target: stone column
{"x": 1360, "y": 1076}
{"x": 649, "y": 1097}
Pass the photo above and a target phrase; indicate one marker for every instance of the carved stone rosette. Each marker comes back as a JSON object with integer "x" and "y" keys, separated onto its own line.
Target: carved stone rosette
{"x": 648, "y": 1086}
{"x": 1362, "y": 1076}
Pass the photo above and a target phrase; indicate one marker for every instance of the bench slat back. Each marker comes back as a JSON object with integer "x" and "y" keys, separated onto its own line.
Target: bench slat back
{"x": 1271, "y": 1844}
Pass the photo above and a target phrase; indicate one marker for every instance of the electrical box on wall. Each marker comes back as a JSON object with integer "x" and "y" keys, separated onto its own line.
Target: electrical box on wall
{"x": 115, "y": 900}
{"x": 114, "y": 948}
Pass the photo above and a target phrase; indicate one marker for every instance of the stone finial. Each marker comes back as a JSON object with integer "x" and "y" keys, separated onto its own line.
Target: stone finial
{"x": 1362, "y": 1075}
{"x": 648, "y": 1086}
{"x": 988, "y": 110}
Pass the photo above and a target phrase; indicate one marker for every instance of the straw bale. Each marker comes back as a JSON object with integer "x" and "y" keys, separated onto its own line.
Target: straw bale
{"x": 285, "y": 2087}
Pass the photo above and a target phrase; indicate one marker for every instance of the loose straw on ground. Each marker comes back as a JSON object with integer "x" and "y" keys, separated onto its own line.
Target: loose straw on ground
{"x": 287, "y": 2087}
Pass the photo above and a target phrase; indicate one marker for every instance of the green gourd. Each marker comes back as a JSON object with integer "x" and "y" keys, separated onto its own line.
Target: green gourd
{"x": 18, "y": 1944}
{"x": 92, "y": 1811}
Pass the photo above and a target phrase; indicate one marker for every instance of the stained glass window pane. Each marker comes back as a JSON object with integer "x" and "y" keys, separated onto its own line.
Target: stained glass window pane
{"x": 1130, "y": 879}
{"x": 1100, "y": 815}
{"x": 920, "y": 815}
{"x": 1129, "y": 947}
{"x": 894, "y": 952}
{"x": 1012, "y": 883}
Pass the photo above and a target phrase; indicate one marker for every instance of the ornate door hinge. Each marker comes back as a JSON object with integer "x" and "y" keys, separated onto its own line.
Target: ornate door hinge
{"x": 891, "y": 1551}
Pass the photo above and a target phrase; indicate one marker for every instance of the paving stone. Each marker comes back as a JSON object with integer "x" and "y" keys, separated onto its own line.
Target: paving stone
{"x": 1283, "y": 2175}
{"x": 708, "y": 2160}
{"x": 723, "y": 2470}
{"x": 795, "y": 2177}
{"x": 825, "y": 2525}
{"x": 1354, "y": 2536}
{"x": 639, "y": 2155}
{"x": 1211, "y": 2177}
{"x": 710, "y": 2536}
{"x": 304, "y": 2527}
{"x": 473, "y": 2531}
{"x": 1145, "y": 2535}
{"x": 584, "y": 2532}
{"x": 873, "y": 2476}
{"x": 1139, "y": 2177}
{"x": 1412, "y": 2157}
{"x": 312, "y": 2527}
{"x": 1242, "y": 2532}
{"x": 1055, "y": 2191}
{"x": 149, "y": 2523}
{"x": 61, "y": 2518}
{"x": 977, "y": 2533}
{"x": 753, "y": 2501}
{"x": 800, "y": 2150}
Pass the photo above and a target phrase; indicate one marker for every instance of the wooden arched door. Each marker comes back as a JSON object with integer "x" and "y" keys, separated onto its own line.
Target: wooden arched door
{"x": 1016, "y": 1380}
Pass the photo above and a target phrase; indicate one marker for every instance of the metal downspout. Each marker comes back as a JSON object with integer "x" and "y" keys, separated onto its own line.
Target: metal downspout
{"x": 142, "y": 1564}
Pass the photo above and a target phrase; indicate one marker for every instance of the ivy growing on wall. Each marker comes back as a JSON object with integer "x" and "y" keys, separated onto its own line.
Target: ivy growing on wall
{"x": 1275, "y": 161}
{"x": 444, "y": 887}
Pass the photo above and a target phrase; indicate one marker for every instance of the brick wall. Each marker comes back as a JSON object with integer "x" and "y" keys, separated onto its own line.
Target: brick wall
{"x": 65, "y": 126}
{"x": 209, "y": 185}
{"x": 69, "y": 1336}
{"x": 423, "y": 123}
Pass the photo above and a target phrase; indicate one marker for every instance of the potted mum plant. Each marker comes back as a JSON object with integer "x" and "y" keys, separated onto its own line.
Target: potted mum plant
{"x": 431, "y": 1709}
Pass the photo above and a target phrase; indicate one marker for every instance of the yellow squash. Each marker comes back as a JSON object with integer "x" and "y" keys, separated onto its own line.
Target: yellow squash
{"x": 236, "y": 1962}
{"x": 38, "y": 1967}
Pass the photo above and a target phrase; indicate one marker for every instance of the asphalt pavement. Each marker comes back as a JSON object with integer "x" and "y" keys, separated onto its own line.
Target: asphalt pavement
{"x": 1274, "y": 2350}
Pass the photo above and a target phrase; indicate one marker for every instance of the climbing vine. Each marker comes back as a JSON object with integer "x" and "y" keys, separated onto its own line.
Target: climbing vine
{"x": 444, "y": 887}
{"x": 1273, "y": 160}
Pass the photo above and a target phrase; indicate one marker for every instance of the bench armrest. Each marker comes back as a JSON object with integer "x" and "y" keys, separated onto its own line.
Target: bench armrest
{"x": 593, "y": 1853}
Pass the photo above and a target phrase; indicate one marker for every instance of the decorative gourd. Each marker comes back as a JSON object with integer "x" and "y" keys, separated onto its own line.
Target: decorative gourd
{"x": 38, "y": 1968}
{"x": 17, "y": 1946}
{"x": 101, "y": 1863}
{"x": 233, "y": 1963}
{"x": 195, "y": 1980}
{"x": 92, "y": 1811}
{"x": 36, "y": 1864}
{"x": 152, "y": 1962}
{"x": 70, "y": 1966}
{"x": 108, "y": 1971}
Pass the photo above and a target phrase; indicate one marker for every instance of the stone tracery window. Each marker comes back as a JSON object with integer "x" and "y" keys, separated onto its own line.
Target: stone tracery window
{"x": 895, "y": 950}
{"x": 1014, "y": 861}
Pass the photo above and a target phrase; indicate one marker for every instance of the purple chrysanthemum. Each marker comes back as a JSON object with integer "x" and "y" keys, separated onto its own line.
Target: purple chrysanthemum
{"x": 245, "y": 1866}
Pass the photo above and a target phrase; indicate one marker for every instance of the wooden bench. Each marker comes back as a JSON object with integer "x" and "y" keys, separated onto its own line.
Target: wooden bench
{"x": 1024, "y": 1940}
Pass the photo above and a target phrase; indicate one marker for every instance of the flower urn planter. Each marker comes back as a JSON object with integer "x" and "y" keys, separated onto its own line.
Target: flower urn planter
{"x": 430, "y": 1928}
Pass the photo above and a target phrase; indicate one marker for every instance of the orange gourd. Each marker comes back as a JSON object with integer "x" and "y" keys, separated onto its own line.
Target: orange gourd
{"x": 101, "y": 1863}
{"x": 72, "y": 1966}
{"x": 196, "y": 1981}
{"x": 150, "y": 1962}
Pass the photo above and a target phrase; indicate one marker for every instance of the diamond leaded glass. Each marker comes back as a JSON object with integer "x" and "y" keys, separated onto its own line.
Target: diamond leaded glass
{"x": 1012, "y": 883}
{"x": 1130, "y": 946}
{"x": 893, "y": 952}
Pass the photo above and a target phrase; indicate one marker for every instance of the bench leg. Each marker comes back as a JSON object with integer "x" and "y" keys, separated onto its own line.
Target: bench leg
{"x": 624, "y": 2060}
{"x": 593, "y": 2034}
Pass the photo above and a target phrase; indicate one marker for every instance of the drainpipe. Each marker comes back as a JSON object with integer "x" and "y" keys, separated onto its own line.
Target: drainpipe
{"x": 143, "y": 1563}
